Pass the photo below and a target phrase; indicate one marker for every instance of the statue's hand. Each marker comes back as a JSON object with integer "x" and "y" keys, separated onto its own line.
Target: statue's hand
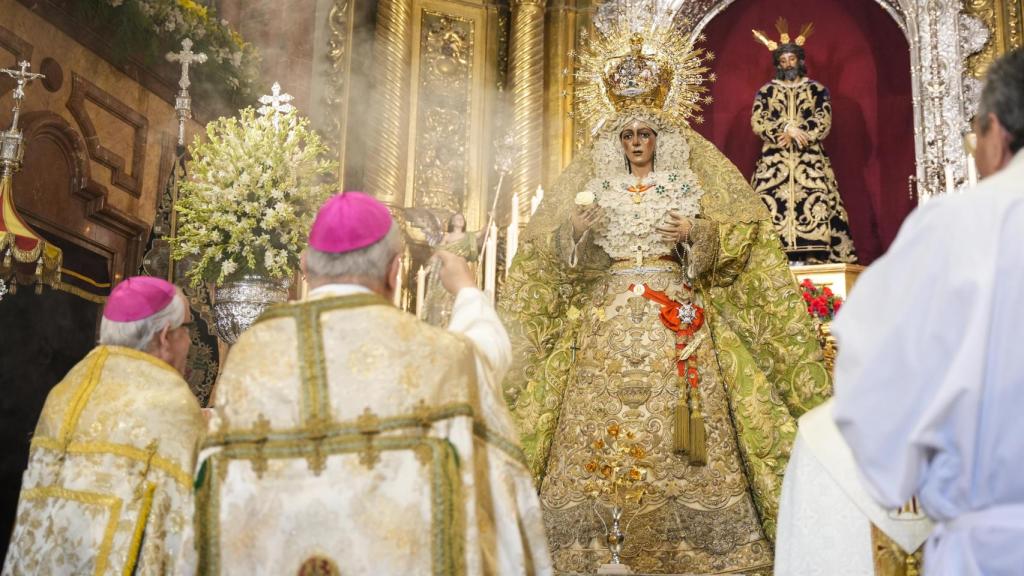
{"x": 802, "y": 138}
{"x": 583, "y": 218}
{"x": 675, "y": 228}
{"x": 794, "y": 134}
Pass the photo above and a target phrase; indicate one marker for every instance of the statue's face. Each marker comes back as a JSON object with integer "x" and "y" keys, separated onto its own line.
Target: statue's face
{"x": 788, "y": 61}
{"x": 457, "y": 223}
{"x": 638, "y": 142}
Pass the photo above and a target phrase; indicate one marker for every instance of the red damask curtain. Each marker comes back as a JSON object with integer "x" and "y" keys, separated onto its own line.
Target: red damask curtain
{"x": 859, "y": 52}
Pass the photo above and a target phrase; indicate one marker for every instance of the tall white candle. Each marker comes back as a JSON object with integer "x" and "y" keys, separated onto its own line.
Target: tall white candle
{"x": 536, "y": 200}
{"x": 972, "y": 171}
{"x": 421, "y": 290}
{"x": 512, "y": 236}
{"x": 491, "y": 261}
{"x": 397, "y": 299}
{"x": 949, "y": 179}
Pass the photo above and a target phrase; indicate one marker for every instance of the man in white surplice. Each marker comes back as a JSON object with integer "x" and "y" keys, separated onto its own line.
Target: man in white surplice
{"x": 828, "y": 522}
{"x": 351, "y": 438}
{"x": 930, "y": 375}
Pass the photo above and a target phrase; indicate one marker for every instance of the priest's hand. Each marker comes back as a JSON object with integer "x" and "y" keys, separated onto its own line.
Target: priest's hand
{"x": 583, "y": 217}
{"x": 455, "y": 273}
{"x": 675, "y": 228}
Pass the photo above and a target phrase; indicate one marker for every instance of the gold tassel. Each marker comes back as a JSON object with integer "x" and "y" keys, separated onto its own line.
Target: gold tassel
{"x": 7, "y": 258}
{"x": 698, "y": 436}
{"x": 681, "y": 434}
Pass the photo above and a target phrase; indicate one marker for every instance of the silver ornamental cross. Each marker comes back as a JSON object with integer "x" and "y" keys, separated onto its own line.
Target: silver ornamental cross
{"x": 183, "y": 102}
{"x": 11, "y": 149}
{"x": 186, "y": 57}
{"x": 275, "y": 104}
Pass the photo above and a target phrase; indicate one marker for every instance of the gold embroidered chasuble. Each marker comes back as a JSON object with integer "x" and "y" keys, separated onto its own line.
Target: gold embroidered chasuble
{"x": 587, "y": 355}
{"x": 352, "y": 438}
{"x": 108, "y": 489}
{"x": 797, "y": 183}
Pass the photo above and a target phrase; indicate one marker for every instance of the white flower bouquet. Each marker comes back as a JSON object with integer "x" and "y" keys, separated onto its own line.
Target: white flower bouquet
{"x": 250, "y": 198}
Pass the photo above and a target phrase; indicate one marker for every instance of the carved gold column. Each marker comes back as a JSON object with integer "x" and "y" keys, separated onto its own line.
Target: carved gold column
{"x": 385, "y": 173}
{"x": 527, "y": 86}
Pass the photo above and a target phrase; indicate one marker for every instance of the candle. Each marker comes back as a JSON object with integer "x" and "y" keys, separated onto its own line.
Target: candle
{"x": 491, "y": 261}
{"x": 421, "y": 290}
{"x": 512, "y": 236}
{"x": 535, "y": 201}
{"x": 949, "y": 179}
{"x": 397, "y": 298}
{"x": 972, "y": 171}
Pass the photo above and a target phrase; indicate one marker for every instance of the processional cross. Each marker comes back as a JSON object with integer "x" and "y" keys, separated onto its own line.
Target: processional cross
{"x": 22, "y": 76}
{"x": 183, "y": 102}
{"x": 11, "y": 140}
{"x": 275, "y": 103}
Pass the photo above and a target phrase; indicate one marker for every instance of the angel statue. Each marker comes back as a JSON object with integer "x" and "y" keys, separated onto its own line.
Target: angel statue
{"x": 651, "y": 294}
{"x": 423, "y": 227}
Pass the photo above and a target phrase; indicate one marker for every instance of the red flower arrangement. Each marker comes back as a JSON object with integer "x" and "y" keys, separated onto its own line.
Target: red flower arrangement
{"x": 821, "y": 302}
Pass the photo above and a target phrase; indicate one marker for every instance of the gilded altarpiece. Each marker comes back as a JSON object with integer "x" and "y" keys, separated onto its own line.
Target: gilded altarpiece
{"x": 443, "y": 107}
{"x": 435, "y": 105}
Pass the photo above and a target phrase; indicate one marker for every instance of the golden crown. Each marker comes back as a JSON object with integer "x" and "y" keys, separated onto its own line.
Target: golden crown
{"x": 636, "y": 79}
{"x": 639, "y": 59}
{"x": 783, "y": 27}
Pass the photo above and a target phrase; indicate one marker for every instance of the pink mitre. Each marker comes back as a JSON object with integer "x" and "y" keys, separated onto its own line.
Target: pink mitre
{"x": 137, "y": 298}
{"x": 349, "y": 221}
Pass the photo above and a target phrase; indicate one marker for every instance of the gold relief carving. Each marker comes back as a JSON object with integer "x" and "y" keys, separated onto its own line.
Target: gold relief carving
{"x": 503, "y": 48}
{"x": 527, "y": 98}
{"x": 984, "y": 10}
{"x": 1013, "y": 25}
{"x": 339, "y": 45}
{"x": 385, "y": 176}
{"x": 445, "y": 97}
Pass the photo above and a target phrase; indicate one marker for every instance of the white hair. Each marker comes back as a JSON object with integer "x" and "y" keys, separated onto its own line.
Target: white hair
{"x": 139, "y": 334}
{"x": 370, "y": 262}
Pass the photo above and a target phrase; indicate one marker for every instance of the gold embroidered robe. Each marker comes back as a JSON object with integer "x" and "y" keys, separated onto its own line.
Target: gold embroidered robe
{"x": 797, "y": 184}
{"x": 351, "y": 438}
{"x": 576, "y": 348}
{"x": 108, "y": 489}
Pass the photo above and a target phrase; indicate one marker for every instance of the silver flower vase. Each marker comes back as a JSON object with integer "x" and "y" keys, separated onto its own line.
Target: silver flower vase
{"x": 239, "y": 303}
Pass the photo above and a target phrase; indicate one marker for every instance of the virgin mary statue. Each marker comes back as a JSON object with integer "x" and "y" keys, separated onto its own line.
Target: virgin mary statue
{"x": 651, "y": 305}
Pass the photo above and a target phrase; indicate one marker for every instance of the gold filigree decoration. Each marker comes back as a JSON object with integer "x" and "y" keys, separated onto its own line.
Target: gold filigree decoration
{"x": 638, "y": 58}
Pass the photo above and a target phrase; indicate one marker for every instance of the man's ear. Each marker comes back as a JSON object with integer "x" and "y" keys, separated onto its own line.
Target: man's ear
{"x": 160, "y": 346}
{"x": 393, "y": 269}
